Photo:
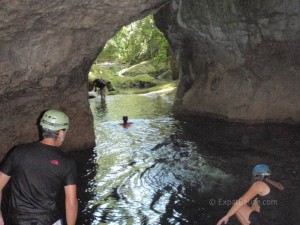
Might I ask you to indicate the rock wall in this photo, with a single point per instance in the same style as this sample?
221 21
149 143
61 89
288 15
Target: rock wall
46 51
240 59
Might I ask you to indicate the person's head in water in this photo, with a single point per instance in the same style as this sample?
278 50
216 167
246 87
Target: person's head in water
261 172
125 119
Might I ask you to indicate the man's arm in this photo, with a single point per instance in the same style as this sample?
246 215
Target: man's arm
3 181
71 204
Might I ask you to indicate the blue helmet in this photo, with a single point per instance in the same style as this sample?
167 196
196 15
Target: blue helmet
261 171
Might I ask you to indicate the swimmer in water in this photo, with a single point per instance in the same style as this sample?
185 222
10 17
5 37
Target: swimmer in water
125 123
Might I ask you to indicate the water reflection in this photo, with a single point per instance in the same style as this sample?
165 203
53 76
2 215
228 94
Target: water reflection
146 171
162 170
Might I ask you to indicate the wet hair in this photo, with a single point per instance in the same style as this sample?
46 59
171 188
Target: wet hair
46 133
125 119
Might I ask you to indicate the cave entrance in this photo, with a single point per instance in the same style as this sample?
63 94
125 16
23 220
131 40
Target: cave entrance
138 59
138 64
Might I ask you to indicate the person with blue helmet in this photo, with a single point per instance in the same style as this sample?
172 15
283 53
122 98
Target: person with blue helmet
261 195
261 171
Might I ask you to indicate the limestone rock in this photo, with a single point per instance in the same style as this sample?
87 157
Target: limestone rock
239 60
46 51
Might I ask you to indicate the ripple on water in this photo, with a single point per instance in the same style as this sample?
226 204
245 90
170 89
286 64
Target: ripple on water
143 177
140 173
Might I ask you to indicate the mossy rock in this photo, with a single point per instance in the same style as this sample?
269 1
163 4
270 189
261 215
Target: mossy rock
167 75
140 81
146 67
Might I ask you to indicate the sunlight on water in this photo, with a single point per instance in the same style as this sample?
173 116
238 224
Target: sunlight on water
142 172
162 170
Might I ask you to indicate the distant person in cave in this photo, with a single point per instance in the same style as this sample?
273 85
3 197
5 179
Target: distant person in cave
39 172
102 85
262 194
125 123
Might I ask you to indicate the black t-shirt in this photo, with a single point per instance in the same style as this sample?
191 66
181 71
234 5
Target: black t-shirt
38 174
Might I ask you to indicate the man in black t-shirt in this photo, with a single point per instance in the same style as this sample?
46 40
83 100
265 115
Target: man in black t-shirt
39 172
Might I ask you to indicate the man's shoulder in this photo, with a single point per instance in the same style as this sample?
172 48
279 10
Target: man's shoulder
18 149
25 145
17 154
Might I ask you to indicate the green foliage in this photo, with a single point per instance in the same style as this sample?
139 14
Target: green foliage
100 72
137 42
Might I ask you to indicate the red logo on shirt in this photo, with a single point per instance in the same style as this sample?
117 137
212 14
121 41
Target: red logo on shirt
54 162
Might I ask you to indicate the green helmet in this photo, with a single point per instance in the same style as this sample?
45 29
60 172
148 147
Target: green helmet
54 120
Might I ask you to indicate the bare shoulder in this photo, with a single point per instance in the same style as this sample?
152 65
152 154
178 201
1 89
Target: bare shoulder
261 187
259 183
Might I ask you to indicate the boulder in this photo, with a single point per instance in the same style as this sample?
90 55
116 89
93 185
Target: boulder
46 51
239 60
146 67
